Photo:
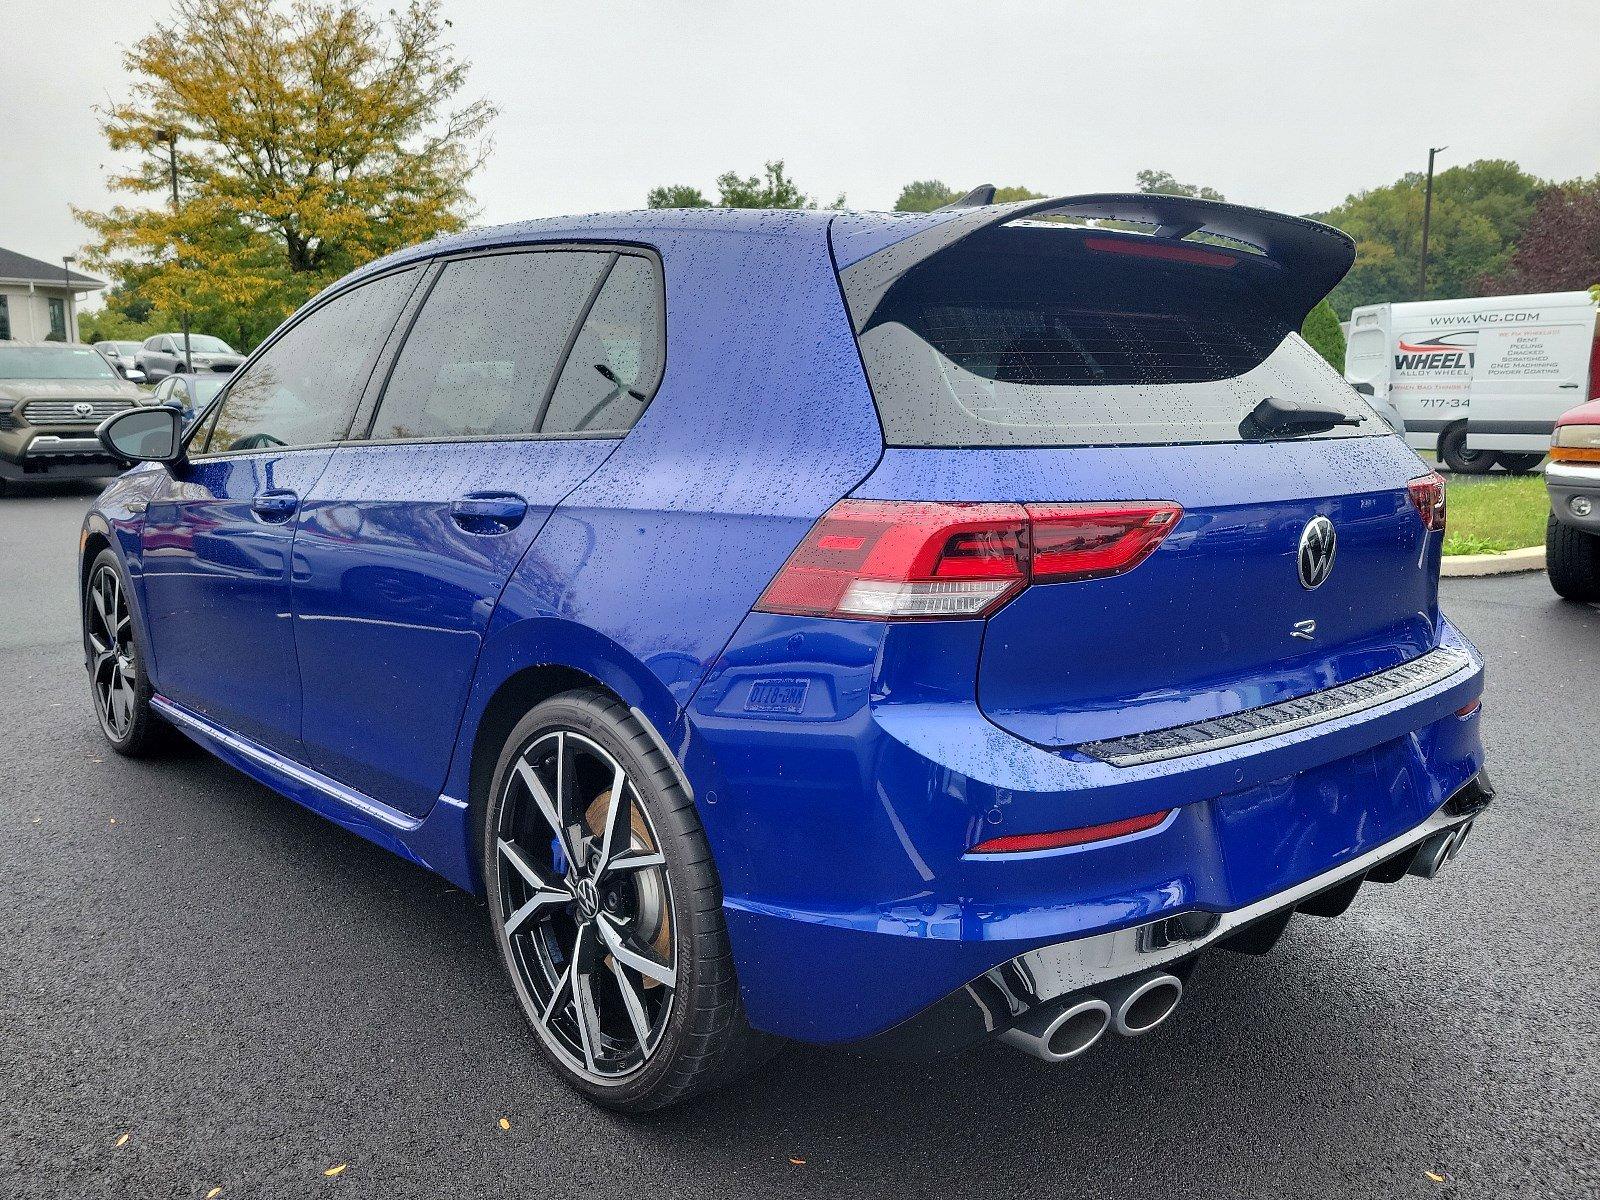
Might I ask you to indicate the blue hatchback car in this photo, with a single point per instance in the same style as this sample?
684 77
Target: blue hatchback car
886 630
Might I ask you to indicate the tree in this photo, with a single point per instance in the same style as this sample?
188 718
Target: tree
1321 329
1559 251
771 189
1010 195
1164 183
311 137
1479 213
677 195
925 195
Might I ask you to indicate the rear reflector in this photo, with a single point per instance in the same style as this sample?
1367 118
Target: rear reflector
1071 837
1427 497
898 559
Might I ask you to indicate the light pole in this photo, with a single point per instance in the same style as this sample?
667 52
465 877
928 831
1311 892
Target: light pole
1427 214
170 137
66 277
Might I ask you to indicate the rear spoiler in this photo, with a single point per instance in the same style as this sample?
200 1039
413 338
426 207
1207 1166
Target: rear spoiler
1299 261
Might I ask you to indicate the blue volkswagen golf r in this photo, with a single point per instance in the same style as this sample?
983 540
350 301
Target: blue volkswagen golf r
894 630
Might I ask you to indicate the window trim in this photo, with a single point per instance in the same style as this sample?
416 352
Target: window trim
207 415
436 268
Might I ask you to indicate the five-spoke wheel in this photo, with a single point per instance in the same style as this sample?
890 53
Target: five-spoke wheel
587 903
112 670
606 908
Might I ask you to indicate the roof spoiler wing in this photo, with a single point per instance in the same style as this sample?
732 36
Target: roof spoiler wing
1307 258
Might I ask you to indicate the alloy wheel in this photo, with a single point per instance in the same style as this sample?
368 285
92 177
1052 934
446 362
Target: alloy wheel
585 906
113 671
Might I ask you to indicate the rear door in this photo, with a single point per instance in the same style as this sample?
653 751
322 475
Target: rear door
518 376
218 533
1054 366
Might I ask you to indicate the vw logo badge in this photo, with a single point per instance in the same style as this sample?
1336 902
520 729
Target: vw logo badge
588 899
1318 544
82 409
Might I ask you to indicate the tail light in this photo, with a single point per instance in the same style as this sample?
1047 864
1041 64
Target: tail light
1427 497
887 559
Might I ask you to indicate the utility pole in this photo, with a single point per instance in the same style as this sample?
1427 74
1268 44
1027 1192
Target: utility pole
66 277
170 136
1427 214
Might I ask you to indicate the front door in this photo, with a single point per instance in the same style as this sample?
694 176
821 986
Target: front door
407 541
218 537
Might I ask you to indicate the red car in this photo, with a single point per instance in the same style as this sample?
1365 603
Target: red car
1572 537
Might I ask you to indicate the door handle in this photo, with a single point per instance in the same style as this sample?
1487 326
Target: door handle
489 512
277 505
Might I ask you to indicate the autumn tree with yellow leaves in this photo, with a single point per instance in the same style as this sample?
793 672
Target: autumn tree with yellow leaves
311 137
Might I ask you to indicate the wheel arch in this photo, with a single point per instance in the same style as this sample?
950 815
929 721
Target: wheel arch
529 662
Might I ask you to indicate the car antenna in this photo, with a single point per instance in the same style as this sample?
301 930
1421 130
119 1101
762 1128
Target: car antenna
978 197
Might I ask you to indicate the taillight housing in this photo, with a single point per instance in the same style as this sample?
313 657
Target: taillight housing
915 560
1427 497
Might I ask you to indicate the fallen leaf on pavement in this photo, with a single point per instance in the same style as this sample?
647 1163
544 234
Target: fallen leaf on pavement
338 1170
799 1162
504 1124
1435 1178
213 1193
123 1140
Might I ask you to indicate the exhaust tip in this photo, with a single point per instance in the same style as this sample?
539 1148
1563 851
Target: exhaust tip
1148 1005
1066 1035
1432 854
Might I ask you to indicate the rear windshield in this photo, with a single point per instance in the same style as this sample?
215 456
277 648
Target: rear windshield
1075 347
53 362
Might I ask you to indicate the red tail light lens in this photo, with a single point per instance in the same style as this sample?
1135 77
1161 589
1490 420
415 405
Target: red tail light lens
1058 838
1427 497
895 559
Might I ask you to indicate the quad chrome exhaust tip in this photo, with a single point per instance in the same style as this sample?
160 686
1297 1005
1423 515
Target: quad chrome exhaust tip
1139 1004
1131 1007
1058 1035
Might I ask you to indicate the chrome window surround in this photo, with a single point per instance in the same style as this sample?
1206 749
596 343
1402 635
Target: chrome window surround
1270 720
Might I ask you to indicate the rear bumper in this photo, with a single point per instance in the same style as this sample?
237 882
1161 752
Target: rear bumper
842 828
1566 481
1057 976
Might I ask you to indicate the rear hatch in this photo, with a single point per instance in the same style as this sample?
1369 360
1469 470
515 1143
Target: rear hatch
1123 351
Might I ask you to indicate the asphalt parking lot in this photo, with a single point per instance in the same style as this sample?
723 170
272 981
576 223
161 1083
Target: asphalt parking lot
254 997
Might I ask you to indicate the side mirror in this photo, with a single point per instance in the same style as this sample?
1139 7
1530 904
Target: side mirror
133 374
144 435
1366 389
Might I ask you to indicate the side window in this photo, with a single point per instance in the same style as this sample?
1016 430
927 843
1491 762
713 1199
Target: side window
616 361
163 391
152 343
479 359
303 388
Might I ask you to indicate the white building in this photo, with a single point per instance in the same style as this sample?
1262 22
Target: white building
39 300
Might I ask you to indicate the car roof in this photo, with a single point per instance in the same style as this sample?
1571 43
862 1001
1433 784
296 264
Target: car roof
654 225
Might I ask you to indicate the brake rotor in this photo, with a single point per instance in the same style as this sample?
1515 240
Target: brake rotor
651 918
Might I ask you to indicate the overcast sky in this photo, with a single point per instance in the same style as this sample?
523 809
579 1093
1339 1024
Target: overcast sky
1282 105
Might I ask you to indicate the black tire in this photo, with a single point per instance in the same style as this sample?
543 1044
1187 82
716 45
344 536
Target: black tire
1453 450
1572 560
119 685
659 1048
1520 464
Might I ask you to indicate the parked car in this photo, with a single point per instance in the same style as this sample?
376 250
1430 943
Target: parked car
52 395
164 355
189 393
1572 532
123 357
840 675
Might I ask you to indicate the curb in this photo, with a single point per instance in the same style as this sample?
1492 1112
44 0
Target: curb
1509 563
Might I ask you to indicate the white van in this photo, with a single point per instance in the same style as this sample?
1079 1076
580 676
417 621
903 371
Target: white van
1479 380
